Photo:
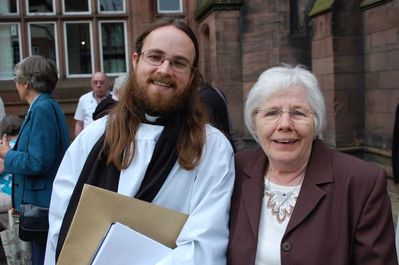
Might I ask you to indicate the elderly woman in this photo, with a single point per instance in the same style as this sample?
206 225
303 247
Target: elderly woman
295 200
41 143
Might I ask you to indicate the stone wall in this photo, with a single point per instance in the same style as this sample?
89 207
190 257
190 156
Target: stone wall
381 72
267 40
220 50
337 62
355 54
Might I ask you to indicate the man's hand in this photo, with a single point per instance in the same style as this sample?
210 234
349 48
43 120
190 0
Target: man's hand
4 148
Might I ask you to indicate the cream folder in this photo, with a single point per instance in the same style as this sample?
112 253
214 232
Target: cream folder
99 208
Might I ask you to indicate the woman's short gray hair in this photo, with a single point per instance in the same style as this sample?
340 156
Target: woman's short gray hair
285 77
39 72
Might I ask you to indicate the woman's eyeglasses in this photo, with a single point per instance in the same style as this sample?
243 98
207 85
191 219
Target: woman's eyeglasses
298 116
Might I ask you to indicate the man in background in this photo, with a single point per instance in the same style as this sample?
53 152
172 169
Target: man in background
106 105
89 101
218 114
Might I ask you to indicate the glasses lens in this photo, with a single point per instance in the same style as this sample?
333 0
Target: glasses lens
180 66
153 58
299 116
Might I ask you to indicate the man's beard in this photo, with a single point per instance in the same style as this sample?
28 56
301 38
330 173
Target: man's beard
158 104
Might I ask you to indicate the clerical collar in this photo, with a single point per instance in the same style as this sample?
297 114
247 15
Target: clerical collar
155 120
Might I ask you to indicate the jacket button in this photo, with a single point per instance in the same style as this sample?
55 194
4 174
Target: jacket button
286 246
16 185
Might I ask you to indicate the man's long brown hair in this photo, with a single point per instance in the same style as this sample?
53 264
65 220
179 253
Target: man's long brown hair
125 118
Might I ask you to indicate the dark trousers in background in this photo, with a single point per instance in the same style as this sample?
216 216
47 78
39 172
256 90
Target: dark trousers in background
38 250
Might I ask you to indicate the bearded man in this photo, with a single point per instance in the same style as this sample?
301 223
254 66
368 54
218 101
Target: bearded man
155 146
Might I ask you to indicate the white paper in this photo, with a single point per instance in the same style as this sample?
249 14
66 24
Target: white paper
124 246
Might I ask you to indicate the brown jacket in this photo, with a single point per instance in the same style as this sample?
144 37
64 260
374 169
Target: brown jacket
342 215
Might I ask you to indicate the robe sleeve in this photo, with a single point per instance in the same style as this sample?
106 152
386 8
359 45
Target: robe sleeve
65 180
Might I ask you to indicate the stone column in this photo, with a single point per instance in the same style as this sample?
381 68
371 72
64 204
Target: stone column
338 64
221 59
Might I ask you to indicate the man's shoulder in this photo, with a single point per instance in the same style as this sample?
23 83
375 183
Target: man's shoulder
43 103
213 132
87 95
216 139
94 130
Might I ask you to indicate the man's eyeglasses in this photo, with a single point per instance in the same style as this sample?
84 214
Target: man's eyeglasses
298 116
179 65
100 82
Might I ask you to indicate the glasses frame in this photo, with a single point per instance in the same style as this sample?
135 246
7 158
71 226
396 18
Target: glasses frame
101 82
171 62
305 120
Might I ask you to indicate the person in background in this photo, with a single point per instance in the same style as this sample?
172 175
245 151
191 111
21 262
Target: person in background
16 250
9 129
41 143
106 105
2 110
89 101
216 106
155 146
296 201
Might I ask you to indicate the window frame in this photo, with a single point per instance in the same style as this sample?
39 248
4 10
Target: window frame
67 72
18 24
111 12
159 11
55 38
100 42
12 14
75 12
40 13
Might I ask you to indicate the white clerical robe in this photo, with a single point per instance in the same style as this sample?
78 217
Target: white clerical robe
203 193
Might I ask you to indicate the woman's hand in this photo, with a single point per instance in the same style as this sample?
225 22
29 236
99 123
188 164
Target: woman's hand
1 166
4 148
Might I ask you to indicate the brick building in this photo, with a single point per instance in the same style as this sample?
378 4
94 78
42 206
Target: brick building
351 45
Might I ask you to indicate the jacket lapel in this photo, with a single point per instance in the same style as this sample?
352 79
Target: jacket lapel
252 188
318 172
27 117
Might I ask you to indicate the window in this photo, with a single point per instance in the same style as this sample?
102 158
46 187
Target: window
78 48
80 36
10 49
42 40
76 6
113 47
114 6
170 6
40 7
8 7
